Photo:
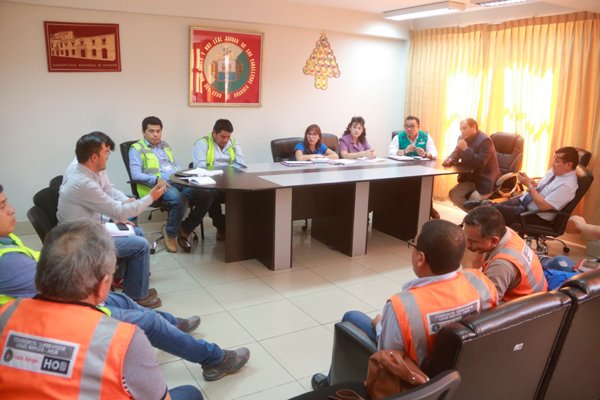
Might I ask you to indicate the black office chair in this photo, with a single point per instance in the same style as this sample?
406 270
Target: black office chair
331 141
584 156
157 205
533 229
509 152
283 149
441 387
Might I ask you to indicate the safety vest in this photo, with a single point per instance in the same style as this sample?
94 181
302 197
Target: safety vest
61 351
404 141
521 256
210 153
150 162
16 247
422 311
19 247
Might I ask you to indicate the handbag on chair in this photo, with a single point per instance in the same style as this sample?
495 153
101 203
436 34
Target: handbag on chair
392 372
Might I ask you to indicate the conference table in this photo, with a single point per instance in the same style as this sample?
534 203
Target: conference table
263 199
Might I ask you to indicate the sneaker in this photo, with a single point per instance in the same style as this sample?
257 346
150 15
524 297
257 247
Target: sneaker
319 381
188 325
232 362
170 241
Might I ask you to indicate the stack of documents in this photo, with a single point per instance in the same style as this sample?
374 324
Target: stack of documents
322 160
407 158
200 176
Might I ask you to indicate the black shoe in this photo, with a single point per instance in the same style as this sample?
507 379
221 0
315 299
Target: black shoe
233 361
319 381
471 204
188 325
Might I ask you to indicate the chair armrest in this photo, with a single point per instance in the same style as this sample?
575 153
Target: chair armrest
524 215
351 351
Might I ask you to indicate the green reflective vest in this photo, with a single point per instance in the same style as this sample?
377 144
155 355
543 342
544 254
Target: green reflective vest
150 163
404 141
210 153
19 247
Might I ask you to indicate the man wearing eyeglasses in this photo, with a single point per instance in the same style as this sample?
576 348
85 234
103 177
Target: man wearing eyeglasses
476 150
414 142
438 296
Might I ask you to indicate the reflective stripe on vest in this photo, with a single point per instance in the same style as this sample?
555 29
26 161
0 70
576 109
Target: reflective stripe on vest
521 256
93 351
420 141
422 311
150 162
17 247
210 152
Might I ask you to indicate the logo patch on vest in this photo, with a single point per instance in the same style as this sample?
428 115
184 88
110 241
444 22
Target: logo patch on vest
436 320
39 354
527 254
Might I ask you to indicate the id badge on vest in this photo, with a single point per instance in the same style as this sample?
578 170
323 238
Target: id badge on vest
39 354
436 320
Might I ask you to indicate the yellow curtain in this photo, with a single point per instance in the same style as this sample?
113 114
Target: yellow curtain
538 77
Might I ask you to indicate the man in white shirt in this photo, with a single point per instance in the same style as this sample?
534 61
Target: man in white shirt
553 192
218 149
412 141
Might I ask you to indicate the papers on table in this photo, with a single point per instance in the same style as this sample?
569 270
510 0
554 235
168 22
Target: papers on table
322 160
407 158
200 180
296 163
376 159
202 172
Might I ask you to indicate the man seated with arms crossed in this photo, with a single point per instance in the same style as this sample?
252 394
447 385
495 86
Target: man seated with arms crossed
476 150
218 149
82 195
165 332
151 163
439 295
77 351
502 255
553 192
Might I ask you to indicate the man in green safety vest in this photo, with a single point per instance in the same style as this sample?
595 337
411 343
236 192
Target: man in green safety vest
217 150
151 163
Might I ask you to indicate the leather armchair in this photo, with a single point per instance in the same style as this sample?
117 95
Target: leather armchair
351 351
283 149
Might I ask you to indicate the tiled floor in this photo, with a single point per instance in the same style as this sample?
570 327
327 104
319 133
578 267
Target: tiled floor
286 318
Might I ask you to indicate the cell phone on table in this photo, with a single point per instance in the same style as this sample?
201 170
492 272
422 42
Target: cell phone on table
121 226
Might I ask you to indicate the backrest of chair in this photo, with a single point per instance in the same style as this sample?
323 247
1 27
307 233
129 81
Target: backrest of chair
509 151
331 141
47 200
441 387
40 222
584 156
56 181
394 133
584 181
283 149
504 352
576 365
124 147
351 351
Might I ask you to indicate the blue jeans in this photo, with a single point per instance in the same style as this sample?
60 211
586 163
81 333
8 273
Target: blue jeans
179 197
135 252
162 332
186 392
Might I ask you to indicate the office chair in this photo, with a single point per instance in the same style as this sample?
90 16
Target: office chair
283 149
584 156
45 204
441 387
509 152
533 229
158 205
331 141
40 222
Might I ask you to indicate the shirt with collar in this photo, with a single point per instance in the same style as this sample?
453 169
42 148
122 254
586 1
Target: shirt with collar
167 168
558 192
221 155
347 144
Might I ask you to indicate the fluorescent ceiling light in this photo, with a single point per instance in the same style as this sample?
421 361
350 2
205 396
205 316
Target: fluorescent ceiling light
426 10
494 3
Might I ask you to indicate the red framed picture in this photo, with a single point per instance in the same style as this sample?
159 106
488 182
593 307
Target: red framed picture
82 47
225 67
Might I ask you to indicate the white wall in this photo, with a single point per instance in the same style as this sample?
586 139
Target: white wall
44 113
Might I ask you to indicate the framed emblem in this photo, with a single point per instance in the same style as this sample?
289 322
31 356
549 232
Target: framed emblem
225 67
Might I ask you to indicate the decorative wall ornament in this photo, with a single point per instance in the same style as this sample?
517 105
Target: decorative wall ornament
322 63
82 47
225 67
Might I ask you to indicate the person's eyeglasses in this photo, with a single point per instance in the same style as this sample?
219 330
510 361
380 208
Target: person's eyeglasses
411 243
312 134
410 126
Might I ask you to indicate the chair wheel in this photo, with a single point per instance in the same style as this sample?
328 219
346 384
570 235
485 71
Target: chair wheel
566 250
152 251
304 228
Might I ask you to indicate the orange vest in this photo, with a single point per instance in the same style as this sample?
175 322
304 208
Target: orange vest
422 311
61 351
521 256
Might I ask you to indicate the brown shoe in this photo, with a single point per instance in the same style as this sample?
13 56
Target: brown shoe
220 236
152 302
434 214
182 240
170 241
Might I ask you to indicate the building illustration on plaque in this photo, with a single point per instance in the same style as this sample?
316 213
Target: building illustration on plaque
98 47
